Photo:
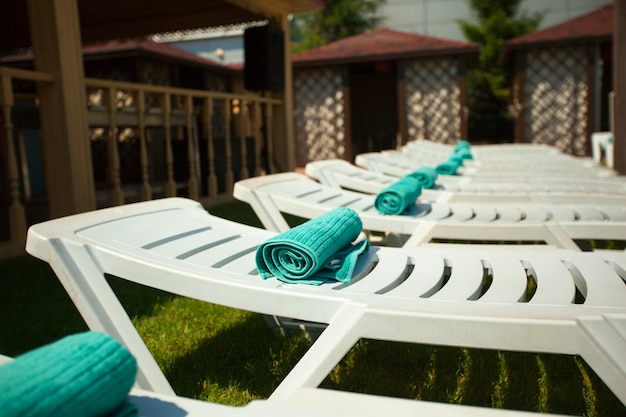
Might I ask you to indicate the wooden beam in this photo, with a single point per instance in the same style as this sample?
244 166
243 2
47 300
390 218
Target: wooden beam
619 84
283 122
55 33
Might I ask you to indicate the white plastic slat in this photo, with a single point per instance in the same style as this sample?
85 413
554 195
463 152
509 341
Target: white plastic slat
388 272
464 282
555 284
484 213
460 212
587 212
427 275
603 285
509 280
534 213
509 213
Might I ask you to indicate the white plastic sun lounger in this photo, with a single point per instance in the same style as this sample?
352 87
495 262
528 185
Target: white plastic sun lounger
493 151
271 196
339 173
419 295
540 163
399 167
507 169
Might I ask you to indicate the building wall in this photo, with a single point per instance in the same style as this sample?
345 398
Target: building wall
557 95
433 99
320 114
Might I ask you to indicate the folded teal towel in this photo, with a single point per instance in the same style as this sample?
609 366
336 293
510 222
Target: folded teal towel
456 159
317 251
463 144
426 176
448 167
464 154
397 197
87 374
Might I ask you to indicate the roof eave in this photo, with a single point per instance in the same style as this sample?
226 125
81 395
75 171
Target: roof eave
383 57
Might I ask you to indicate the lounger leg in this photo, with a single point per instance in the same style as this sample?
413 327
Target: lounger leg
607 353
340 335
102 311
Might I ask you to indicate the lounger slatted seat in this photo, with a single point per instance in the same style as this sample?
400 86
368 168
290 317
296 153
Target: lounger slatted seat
339 173
488 151
272 196
378 162
506 170
396 294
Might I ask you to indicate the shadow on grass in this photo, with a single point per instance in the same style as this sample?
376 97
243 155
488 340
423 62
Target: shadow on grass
247 357
34 307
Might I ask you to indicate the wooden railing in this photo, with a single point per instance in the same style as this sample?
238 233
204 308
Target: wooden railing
150 141
16 211
201 119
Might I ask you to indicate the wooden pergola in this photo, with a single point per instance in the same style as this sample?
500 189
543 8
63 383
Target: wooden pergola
56 31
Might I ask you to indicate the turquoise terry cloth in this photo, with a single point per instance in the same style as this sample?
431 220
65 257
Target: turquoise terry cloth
462 144
426 176
87 374
448 167
397 197
464 154
315 252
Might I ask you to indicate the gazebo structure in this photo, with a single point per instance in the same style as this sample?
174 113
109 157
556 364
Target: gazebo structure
377 90
563 77
56 30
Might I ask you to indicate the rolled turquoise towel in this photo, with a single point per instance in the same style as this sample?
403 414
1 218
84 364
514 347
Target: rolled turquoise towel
464 154
447 168
426 176
397 197
456 159
317 251
462 144
87 374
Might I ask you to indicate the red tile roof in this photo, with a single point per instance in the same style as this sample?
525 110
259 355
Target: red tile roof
133 47
594 26
379 44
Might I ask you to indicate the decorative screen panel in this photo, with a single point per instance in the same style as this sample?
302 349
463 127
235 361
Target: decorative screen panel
433 99
557 97
320 116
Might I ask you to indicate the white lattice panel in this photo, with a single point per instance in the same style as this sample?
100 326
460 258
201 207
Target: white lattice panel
320 128
556 94
433 99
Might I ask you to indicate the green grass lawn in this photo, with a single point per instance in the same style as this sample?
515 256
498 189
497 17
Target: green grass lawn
231 356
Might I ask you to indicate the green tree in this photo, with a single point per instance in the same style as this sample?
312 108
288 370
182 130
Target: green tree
339 19
489 80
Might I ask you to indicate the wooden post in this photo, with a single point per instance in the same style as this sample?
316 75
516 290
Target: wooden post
55 34
619 84
17 213
284 143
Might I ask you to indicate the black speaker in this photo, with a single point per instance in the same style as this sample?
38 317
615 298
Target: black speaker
264 57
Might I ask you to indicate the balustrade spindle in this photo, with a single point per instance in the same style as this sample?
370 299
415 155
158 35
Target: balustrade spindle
208 132
194 193
170 186
146 190
256 131
269 132
229 175
17 213
243 113
117 194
